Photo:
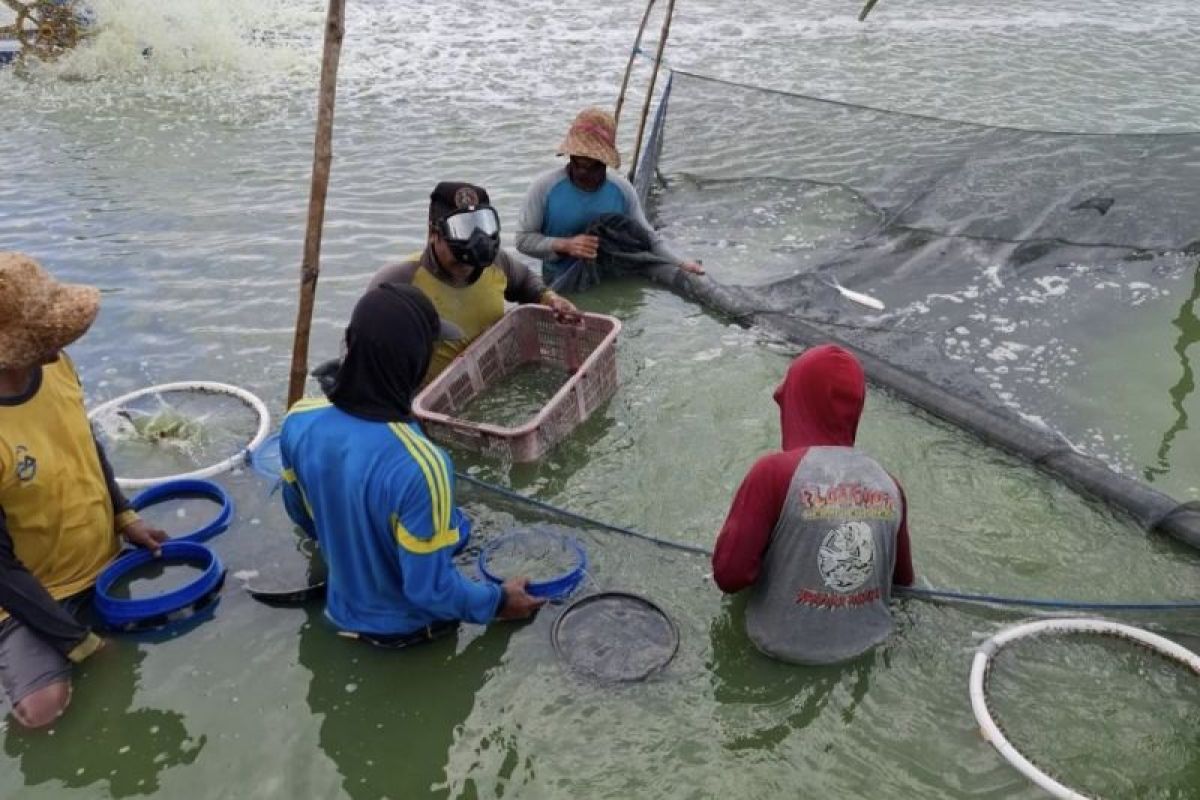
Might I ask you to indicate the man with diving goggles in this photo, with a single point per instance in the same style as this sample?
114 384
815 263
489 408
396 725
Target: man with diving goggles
464 271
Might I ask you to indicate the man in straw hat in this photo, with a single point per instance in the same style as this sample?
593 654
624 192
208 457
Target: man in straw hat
61 513
563 202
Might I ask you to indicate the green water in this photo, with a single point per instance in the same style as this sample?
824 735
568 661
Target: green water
517 397
179 184
153 579
263 702
181 516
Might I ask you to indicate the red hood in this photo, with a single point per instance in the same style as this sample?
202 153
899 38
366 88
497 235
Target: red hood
821 398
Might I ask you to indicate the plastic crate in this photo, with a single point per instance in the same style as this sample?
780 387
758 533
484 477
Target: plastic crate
587 354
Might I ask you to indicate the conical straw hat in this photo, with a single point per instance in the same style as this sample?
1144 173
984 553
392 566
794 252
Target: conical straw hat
593 134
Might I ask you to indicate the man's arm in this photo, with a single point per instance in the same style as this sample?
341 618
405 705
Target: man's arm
23 596
737 558
530 239
123 514
425 542
524 285
903 574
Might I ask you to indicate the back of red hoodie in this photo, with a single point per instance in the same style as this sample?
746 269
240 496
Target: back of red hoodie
818 529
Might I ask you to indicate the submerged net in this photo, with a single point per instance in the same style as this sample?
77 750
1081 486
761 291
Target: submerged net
174 431
1020 269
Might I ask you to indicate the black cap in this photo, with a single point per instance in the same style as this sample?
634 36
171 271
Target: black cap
451 196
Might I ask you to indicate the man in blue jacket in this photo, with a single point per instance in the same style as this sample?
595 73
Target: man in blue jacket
360 476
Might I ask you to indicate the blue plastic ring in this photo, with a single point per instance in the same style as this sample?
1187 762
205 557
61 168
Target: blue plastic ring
121 613
190 487
551 589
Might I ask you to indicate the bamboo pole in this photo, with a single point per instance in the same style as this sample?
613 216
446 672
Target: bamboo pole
637 43
310 267
662 43
862 15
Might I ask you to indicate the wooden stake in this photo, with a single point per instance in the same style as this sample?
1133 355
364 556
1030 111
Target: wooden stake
637 43
310 267
662 43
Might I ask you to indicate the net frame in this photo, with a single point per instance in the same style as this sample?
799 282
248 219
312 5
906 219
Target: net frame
210 387
560 648
981 671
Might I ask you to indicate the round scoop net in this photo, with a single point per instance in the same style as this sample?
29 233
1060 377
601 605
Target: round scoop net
615 636
1128 690
548 555
192 430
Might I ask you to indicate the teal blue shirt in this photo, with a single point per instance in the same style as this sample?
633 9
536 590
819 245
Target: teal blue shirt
555 208
378 498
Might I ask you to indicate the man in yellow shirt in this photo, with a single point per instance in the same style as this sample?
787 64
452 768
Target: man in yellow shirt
464 271
61 513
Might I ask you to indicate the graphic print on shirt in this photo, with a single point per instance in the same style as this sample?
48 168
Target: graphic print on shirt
846 558
846 501
26 464
846 555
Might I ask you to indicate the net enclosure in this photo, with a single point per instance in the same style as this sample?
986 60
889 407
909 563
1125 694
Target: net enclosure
1019 269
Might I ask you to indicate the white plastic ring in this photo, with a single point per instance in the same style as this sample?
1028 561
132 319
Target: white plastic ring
982 663
257 405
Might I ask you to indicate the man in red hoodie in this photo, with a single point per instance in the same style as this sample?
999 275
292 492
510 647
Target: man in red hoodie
818 529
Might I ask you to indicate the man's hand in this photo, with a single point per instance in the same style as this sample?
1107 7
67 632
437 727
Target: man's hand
581 246
563 308
694 267
142 535
517 603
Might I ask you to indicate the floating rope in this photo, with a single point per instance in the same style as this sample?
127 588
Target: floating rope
934 595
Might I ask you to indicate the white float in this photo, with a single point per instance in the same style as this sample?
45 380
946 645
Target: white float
211 387
982 664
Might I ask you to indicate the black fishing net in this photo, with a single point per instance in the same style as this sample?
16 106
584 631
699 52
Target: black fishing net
615 636
1019 269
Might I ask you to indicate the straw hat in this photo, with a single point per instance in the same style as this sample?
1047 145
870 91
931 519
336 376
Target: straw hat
593 134
39 315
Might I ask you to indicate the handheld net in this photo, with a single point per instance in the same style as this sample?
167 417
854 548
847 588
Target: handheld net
981 671
548 555
179 431
615 636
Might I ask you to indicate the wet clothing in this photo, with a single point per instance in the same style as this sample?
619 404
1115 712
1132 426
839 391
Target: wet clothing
374 492
60 510
29 662
555 208
473 307
625 248
818 530
378 497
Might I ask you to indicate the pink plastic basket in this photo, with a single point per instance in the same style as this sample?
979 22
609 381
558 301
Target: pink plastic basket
587 354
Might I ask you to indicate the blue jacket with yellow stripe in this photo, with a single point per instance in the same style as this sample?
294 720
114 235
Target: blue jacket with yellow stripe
378 497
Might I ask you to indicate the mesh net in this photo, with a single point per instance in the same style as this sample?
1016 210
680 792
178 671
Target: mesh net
615 636
174 431
1018 268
